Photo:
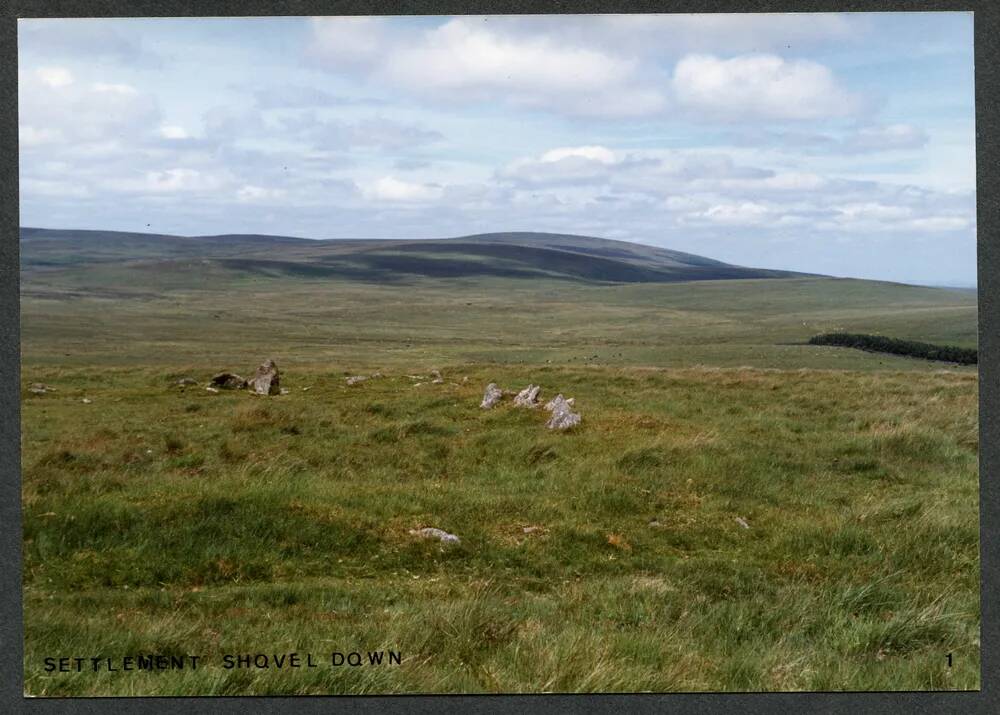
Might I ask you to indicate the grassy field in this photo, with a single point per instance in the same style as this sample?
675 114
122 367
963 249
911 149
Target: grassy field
160 519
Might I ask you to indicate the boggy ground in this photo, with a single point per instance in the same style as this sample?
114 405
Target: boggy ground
162 520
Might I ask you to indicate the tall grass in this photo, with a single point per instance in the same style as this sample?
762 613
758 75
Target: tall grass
169 520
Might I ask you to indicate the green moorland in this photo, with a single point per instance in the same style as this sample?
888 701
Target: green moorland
168 520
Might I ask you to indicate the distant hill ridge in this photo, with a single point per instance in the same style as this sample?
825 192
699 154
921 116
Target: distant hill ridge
512 255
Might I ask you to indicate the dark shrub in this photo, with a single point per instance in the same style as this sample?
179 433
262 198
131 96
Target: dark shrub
910 348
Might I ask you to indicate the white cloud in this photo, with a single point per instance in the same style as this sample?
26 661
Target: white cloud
54 76
461 56
171 131
760 86
860 139
885 138
658 34
52 107
592 153
29 136
794 181
252 194
874 212
389 188
111 88
761 182
170 181
936 224
463 59
53 188
745 213
567 165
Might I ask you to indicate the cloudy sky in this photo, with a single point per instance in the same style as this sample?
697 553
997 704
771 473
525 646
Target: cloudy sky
834 143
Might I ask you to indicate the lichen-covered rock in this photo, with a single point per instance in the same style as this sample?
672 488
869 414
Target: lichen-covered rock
430 532
528 397
265 380
562 416
563 419
228 381
491 396
557 401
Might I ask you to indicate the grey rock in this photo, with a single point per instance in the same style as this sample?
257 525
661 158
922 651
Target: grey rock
562 416
491 396
284 391
265 380
430 532
39 388
528 397
212 389
355 379
86 400
557 401
185 381
563 419
742 522
436 374
228 381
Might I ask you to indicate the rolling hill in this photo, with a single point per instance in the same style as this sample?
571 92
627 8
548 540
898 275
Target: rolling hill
508 255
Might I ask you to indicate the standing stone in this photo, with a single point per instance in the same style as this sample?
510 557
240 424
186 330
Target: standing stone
528 397
265 380
562 416
557 401
438 379
492 396
228 381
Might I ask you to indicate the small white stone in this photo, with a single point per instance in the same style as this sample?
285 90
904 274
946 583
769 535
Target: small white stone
430 532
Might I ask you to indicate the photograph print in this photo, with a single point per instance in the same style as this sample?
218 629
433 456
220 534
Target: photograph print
499 354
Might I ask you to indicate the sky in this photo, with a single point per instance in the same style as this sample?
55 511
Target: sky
840 143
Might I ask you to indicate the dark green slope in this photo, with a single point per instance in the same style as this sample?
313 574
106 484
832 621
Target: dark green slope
508 255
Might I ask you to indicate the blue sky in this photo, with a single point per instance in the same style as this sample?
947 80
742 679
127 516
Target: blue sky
833 143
